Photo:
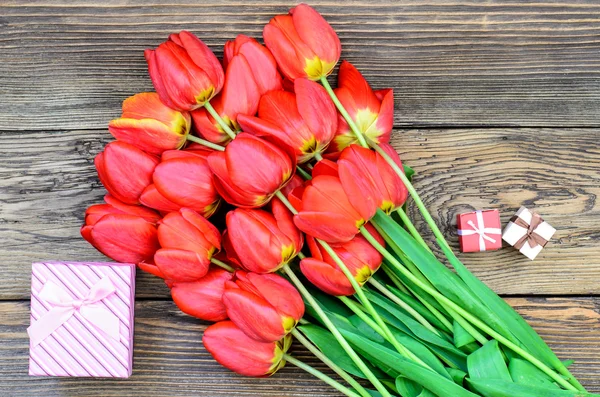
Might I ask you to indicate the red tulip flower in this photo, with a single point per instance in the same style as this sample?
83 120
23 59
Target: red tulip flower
251 71
125 171
303 43
251 170
203 298
326 212
305 120
152 198
265 306
187 242
279 240
149 125
185 179
241 354
358 255
125 233
369 180
371 111
184 71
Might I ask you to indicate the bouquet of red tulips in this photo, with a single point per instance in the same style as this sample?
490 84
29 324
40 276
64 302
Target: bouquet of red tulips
308 198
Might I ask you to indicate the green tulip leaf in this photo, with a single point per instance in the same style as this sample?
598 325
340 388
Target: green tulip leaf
461 336
457 375
487 363
500 388
525 373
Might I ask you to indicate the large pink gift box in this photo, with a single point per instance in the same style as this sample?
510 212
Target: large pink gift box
81 319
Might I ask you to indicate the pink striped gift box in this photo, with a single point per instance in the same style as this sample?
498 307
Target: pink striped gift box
81 319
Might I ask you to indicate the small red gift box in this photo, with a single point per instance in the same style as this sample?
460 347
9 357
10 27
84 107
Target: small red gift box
479 231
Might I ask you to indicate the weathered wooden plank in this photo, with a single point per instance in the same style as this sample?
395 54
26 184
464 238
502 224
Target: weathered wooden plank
47 179
488 63
170 360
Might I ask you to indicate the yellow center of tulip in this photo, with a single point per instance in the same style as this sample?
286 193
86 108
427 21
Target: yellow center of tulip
360 223
233 124
281 347
363 274
316 68
288 324
387 206
211 208
180 127
205 95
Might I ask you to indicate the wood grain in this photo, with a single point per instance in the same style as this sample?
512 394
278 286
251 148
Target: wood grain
493 63
47 179
170 360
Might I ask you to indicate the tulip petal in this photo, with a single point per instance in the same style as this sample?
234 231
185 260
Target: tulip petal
152 198
156 78
285 223
203 298
325 277
226 188
203 57
253 315
180 265
240 93
279 293
353 83
151 268
335 228
234 350
150 135
286 46
174 231
205 126
385 119
263 65
125 238
314 30
208 230
317 109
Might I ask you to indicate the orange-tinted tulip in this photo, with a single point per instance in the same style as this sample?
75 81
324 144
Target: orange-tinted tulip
184 71
149 125
369 180
203 298
326 212
305 120
113 206
185 179
358 255
263 242
251 170
125 171
234 350
371 111
187 242
123 234
265 306
303 43
250 72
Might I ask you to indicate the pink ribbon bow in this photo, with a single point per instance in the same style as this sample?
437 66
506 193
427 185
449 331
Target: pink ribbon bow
481 230
64 307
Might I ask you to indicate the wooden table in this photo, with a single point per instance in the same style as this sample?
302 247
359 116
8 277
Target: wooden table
497 106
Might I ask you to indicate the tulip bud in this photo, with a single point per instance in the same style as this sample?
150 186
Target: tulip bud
251 71
357 254
369 180
371 111
326 212
303 43
265 306
184 71
279 240
185 179
125 171
187 242
125 233
149 125
234 350
305 120
251 170
152 198
203 298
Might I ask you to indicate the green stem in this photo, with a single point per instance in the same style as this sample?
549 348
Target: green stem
318 156
403 350
286 202
468 316
222 265
305 175
417 316
204 142
315 372
411 228
417 273
327 361
344 113
221 122
335 332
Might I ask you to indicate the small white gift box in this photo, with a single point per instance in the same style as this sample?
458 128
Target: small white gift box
528 232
